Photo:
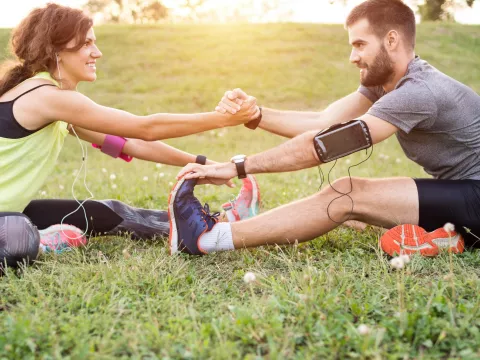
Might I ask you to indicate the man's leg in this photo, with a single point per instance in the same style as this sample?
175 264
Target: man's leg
381 202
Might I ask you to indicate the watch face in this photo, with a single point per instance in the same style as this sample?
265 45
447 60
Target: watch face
237 158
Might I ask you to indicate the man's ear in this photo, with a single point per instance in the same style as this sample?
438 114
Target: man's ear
392 40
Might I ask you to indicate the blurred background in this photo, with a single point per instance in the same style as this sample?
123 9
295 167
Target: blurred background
242 11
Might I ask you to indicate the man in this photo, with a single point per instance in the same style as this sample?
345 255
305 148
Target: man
435 118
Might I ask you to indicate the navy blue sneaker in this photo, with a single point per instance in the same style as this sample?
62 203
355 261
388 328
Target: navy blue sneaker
188 218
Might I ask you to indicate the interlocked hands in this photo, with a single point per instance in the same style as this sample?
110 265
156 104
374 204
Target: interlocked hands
238 105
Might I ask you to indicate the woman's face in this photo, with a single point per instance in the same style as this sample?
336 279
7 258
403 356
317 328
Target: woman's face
79 65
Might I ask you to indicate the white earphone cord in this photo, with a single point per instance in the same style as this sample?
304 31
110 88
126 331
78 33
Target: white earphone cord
80 204
84 163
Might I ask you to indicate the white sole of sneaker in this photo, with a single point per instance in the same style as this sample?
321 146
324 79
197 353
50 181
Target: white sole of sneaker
60 228
173 235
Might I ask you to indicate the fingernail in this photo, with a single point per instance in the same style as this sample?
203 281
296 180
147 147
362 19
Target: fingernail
234 111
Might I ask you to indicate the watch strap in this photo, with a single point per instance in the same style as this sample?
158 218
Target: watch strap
241 169
201 159
253 124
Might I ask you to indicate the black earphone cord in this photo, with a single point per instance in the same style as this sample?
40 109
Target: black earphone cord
322 179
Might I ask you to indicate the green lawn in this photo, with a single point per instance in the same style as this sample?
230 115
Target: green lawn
309 300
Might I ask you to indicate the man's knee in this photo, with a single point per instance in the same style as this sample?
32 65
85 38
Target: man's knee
349 185
347 197
19 240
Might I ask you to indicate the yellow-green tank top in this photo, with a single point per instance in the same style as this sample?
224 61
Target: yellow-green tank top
26 163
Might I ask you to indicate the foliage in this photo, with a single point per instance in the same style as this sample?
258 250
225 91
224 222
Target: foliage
128 10
309 300
434 10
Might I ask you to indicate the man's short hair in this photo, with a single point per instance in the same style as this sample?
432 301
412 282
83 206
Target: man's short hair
386 15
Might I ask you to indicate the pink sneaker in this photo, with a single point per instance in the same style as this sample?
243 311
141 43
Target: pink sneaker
60 238
247 203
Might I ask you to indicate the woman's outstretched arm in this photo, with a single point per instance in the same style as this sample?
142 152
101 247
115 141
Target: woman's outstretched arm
77 109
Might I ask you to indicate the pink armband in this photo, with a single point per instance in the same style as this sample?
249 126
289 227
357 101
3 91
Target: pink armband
113 146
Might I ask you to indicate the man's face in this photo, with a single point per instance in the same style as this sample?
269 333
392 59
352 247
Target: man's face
370 55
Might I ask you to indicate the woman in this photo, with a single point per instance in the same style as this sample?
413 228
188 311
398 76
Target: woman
39 105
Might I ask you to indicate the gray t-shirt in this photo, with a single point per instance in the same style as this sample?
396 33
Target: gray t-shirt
438 120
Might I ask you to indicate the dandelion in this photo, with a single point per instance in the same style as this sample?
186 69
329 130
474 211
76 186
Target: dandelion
61 187
398 161
170 183
303 297
145 178
126 254
161 174
231 307
212 132
114 186
397 263
43 193
158 166
249 277
113 177
449 227
363 329
348 161
405 258
104 170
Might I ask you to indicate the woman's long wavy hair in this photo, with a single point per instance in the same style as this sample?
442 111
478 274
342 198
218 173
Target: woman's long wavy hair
37 39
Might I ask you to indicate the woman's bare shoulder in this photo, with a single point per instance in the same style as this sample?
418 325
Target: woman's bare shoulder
23 88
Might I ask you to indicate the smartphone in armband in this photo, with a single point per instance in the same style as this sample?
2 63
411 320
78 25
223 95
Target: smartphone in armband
341 140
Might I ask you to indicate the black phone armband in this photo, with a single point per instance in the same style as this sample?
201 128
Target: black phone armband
341 140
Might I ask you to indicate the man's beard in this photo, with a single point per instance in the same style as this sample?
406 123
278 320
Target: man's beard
380 72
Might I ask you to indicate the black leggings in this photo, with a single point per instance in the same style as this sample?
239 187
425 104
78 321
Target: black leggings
105 217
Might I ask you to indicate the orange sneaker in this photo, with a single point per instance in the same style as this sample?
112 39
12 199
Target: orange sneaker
410 239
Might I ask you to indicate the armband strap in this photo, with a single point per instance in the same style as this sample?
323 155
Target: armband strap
113 146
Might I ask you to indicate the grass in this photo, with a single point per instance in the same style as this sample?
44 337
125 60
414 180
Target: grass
128 299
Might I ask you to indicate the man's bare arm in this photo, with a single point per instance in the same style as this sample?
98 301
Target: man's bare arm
295 154
293 123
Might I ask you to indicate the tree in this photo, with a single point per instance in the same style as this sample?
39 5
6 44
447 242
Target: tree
154 11
129 11
435 10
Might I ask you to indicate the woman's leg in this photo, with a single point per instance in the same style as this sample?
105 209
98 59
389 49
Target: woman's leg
19 239
106 217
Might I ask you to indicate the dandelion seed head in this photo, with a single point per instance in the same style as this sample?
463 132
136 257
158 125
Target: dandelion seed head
363 329
249 277
397 263
449 227
405 258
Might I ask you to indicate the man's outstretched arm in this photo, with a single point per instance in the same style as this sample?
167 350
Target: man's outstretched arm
295 154
293 123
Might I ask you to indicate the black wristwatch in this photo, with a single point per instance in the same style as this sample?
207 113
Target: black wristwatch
239 161
201 159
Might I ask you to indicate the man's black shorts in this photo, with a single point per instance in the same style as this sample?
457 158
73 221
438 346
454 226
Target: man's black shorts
453 201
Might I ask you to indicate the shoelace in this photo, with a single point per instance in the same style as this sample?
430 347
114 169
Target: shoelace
213 217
